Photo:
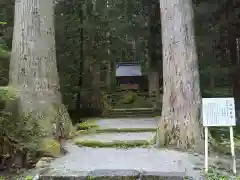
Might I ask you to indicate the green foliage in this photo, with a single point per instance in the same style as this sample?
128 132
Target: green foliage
50 147
107 101
217 92
94 130
29 178
3 47
3 53
7 93
3 23
128 40
118 19
118 144
25 131
90 127
87 125
129 98
119 130
91 178
221 142
215 174
4 56
127 23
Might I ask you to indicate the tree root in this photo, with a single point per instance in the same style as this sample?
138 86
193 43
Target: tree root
167 139
170 134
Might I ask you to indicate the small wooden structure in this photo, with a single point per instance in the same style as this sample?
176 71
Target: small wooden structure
129 76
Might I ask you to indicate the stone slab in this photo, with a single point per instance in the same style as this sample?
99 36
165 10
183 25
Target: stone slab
64 175
145 175
110 137
111 174
141 159
114 174
127 123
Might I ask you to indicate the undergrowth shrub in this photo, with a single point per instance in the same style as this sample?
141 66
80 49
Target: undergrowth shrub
216 174
107 101
129 98
18 135
31 134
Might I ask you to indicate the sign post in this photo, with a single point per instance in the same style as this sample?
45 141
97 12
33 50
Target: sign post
219 112
206 148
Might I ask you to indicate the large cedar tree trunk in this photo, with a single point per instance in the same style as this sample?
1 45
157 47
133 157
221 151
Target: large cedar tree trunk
181 111
33 66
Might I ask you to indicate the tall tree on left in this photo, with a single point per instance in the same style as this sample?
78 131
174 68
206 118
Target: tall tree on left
33 67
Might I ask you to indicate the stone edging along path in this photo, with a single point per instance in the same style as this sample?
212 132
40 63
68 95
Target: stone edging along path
117 175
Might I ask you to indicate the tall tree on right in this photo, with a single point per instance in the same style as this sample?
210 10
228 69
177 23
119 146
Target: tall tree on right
180 124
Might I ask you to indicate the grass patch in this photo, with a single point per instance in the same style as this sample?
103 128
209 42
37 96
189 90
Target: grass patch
50 147
216 174
130 99
113 144
87 125
118 130
91 126
114 130
222 140
224 146
4 53
86 132
8 93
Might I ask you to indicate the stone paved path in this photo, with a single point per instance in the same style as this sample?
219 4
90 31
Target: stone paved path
85 159
82 161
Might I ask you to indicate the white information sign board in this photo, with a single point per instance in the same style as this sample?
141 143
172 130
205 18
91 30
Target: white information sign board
219 112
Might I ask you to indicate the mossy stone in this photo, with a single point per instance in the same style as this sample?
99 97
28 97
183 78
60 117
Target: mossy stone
50 147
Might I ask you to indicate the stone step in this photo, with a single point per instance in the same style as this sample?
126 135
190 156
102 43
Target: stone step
106 174
133 109
121 140
137 112
127 123
128 115
110 137
129 164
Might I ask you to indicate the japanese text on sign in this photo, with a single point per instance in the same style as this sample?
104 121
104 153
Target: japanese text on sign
218 112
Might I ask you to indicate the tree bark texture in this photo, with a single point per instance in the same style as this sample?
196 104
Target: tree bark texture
109 63
154 89
33 66
181 110
152 83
